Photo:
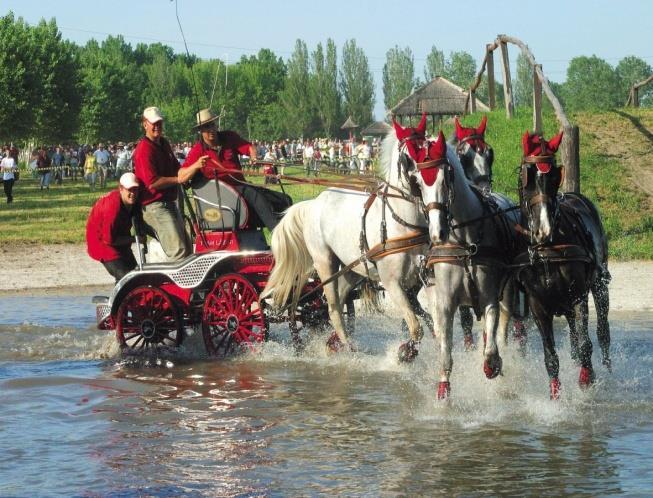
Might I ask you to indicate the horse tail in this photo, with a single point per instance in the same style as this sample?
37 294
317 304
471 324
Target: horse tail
292 261
370 297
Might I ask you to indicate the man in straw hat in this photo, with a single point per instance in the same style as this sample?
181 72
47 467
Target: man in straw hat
216 154
108 229
157 168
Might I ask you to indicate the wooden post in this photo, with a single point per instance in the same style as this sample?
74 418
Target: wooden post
635 97
537 101
570 157
489 57
472 101
507 84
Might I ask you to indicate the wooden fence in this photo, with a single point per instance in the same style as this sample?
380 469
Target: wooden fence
633 96
570 151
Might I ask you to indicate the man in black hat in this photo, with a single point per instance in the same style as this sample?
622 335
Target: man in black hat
217 153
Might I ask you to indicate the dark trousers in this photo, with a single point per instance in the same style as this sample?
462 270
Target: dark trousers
269 205
118 268
9 186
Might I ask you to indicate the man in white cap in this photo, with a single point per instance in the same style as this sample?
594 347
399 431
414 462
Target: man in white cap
217 153
157 167
108 229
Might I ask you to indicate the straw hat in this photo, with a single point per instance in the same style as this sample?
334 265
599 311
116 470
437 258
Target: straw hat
204 117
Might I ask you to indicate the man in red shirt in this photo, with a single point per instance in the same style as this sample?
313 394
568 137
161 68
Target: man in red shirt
217 151
108 229
157 168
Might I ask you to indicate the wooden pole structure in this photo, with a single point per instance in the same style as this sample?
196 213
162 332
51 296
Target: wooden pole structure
537 102
472 101
633 97
507 83
489 58
569 155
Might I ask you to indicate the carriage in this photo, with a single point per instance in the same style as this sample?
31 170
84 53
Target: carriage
215 291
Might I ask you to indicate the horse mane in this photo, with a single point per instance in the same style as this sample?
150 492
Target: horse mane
388 147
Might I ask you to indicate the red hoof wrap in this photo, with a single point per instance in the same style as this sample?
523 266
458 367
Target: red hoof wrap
555 389
586 377
520 333
469 342
334 343
444 390
491 371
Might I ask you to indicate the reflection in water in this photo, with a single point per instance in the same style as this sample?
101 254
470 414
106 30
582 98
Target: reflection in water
77 423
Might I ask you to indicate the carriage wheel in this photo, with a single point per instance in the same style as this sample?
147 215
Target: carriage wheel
148 318
232 319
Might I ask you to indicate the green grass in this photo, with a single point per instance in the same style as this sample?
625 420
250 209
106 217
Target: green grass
59 214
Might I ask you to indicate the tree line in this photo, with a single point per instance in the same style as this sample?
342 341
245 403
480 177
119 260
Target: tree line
55 91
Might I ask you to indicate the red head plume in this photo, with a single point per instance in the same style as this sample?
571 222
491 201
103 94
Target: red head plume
536 145
404 133
462 131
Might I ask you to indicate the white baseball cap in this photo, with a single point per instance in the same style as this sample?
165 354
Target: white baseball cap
153 114
129 180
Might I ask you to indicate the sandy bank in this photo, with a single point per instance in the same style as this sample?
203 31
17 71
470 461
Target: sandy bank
31 267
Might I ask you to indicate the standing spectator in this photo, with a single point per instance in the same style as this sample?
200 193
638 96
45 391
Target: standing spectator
309 152
74 164
57 165
124 159
363 153
8 167
102 158
108 229
156 167
90 169
43 167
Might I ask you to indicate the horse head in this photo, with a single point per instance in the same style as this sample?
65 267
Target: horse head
540 180
425 159
475 155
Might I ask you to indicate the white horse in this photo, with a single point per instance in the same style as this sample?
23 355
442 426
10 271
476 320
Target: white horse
325 234
470 239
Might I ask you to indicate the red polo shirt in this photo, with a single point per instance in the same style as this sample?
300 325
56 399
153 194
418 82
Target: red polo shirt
152 160
109 219
231 146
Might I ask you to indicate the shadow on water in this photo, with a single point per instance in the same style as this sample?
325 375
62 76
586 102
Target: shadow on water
280 424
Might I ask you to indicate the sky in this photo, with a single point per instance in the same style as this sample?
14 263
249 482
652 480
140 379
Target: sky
556 31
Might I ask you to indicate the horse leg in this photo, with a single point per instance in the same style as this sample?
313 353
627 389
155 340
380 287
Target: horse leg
417 309
544 322
602 306
492 363
519 314
573 337
408 350
467 322
442 314
325 267
586 376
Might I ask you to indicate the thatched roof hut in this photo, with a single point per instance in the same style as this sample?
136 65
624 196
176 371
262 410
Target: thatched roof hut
438 97
378 128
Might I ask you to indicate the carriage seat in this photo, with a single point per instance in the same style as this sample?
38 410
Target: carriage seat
221 208
225 218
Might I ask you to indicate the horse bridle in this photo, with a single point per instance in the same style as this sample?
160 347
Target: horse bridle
542 197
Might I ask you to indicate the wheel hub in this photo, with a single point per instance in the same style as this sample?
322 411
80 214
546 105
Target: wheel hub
232 324
148 329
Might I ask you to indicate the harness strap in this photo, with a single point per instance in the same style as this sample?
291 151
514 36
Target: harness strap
435 205
561 253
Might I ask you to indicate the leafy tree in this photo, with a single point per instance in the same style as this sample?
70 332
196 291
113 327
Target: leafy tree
591 84
461 69
631 70
324 87
435 64
111 92
398 75
296 94
38 90
524 82
356 84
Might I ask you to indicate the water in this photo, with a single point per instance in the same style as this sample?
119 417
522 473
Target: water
79 421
